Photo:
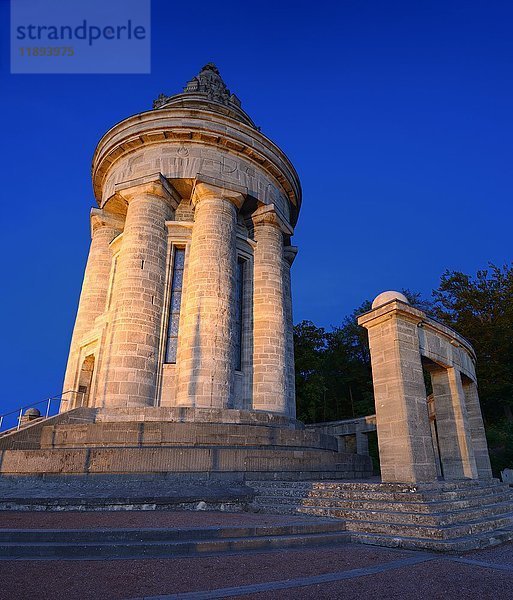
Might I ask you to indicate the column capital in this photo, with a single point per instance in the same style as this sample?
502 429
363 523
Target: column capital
155 185
290 253
392 309
270 214
100 218
205 188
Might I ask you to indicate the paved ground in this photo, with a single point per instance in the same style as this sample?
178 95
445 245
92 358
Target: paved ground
90 520
348 571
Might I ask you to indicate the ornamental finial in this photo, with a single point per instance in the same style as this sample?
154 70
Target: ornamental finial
208 82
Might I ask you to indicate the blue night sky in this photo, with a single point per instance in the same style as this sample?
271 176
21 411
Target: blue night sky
397 115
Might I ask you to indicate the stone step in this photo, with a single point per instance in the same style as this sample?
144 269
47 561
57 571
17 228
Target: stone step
482 525
363 494
379 496
304 477
399 507
276 509
154 534
376 486
405 524
126 503
461 544
432 520
436 519
440 516
431 496
119 548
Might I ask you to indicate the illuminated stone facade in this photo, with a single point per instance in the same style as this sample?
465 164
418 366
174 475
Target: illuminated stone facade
195 182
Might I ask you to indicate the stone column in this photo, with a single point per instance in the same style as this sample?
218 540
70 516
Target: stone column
454 439
402 420
290 253
269 314
104 228
477 430
205 357
131 355
362 443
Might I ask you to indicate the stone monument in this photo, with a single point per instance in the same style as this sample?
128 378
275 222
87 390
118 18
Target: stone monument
186 299
179 387
181 358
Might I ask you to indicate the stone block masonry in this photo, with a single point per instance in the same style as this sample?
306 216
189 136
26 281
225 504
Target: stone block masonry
193 174
405 342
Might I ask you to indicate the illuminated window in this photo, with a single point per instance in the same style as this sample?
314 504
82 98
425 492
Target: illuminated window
174 305
239 312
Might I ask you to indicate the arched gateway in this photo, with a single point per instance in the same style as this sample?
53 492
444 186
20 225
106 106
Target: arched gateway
403 342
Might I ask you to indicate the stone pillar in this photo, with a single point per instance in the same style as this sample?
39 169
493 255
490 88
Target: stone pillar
104 228
454 439
290 373
205 357
402 420
362 443
269 314
477 430
131 355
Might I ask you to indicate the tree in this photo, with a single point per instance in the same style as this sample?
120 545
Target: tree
309 345
333 369
481 309
333 376
348 361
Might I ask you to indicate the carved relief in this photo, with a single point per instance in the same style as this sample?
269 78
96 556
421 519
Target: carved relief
191 160
182 151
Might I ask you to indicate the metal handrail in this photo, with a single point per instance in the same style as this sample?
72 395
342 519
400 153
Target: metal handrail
47 401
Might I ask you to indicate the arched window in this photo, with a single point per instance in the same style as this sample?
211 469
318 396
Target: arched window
175 304
239 312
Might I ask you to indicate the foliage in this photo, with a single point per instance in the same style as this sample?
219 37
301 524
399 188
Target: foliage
500 443
333 377
333 368
481 309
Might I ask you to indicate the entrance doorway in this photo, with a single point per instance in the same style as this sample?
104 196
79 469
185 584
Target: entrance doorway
85 380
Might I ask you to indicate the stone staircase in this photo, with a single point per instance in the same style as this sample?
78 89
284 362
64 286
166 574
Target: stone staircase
167 542
28 435
443 516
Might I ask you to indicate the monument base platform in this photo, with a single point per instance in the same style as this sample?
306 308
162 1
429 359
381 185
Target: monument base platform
212 443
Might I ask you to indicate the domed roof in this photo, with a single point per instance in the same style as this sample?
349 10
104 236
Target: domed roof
32 412
386 297
209 88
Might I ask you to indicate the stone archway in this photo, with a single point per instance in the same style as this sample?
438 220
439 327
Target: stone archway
403 342
85 380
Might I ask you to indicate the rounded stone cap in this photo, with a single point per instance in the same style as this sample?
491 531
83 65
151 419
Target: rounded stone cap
32 412
385 297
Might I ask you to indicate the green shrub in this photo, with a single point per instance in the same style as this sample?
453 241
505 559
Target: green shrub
500 443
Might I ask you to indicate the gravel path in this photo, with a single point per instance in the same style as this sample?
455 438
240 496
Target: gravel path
122 579
88 520
347 571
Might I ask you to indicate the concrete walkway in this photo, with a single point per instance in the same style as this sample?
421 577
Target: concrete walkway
345 571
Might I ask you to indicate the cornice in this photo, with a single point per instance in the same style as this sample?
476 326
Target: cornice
194 126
